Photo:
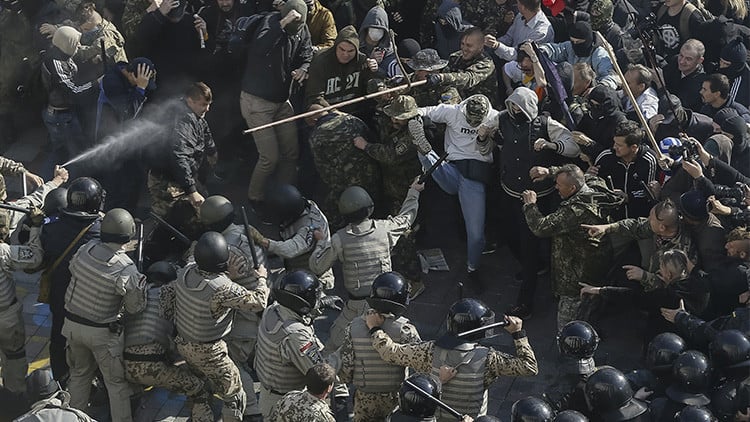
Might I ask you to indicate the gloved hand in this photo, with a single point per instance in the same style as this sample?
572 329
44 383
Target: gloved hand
257 236
36 217
434 79
332 302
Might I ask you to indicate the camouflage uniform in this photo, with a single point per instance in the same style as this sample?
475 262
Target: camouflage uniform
301 406
90 50
340 163
493 18
427 24
476 76
429 61
576 256
164 195
420 358
132 15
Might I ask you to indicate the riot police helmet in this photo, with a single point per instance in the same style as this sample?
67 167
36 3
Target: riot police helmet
85 197
216 213
212 252
161 272
117 226
412 402
355 204
55 200
577 339
468 314
531 409
694 414
608 394
390 294
286 203
299 291
691 377
730 349
663 350
570 416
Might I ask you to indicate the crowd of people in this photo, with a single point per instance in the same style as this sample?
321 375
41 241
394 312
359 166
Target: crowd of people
606 143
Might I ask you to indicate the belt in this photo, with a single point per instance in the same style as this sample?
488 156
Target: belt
144 358
13 302
272 391
53 110
84 321
352 297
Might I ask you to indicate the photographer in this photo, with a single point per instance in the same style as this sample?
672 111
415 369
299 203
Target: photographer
731 204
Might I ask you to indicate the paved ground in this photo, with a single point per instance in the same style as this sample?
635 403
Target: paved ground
440 229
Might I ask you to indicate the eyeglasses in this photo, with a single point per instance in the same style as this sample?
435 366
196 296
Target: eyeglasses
525 70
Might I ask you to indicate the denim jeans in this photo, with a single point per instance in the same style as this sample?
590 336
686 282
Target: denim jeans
66 138
470 196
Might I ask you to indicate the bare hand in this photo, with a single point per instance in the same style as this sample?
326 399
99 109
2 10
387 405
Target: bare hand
717 208
372 64
643 393
528 197
299 75
167 5
491 42
467 418
655 121
61 175
195 199
33 179
692 168
319 235
528 49
665 162
290 17
670 314
200 25
744 297
595 230
447 373
633 273
360 142
742 416
47 30
373 319
515 324
541 144
261 271
581 139
593 170
655 187
538 173
419 187
212 159
143 75
587 289
484 131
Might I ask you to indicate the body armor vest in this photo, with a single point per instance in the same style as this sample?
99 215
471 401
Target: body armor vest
192 311
371 373
465 392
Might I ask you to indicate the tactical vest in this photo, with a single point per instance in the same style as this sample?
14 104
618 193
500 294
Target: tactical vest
364 258
519 156
465 392
245 324
94 271
273 373
192 311
148 326
371 373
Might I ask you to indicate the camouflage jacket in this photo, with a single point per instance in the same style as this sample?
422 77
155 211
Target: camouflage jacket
301 406
114 45
397 155
132 15
476 76
493 18
427 24
639 228
576 256
430 95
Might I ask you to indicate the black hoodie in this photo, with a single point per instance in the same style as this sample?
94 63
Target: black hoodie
600 124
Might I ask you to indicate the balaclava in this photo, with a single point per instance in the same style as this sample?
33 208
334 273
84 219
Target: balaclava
301 8
601 14
582 30
476 108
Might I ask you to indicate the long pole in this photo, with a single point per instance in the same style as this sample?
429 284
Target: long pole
603 42
335 106
438 402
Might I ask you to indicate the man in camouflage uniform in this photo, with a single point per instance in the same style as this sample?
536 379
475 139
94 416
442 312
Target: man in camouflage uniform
493 16
397 156
426 62
94 29
364 249
339 163
308 405
576 256
148 336
217 214
377 382
133 13
470 70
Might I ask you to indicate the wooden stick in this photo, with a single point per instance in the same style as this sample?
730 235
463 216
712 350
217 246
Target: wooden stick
603 42
335 106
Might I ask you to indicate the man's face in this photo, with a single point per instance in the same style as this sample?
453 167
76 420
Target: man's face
723 64
688 61
526 66
579 85
735 249
225 5
622 149
656 225
706 94
345 52
637 88
564 187
199 107
471 47
420 75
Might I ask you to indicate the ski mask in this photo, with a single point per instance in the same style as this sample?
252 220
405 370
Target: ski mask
601 14
476 108
582 30
301 8
375 34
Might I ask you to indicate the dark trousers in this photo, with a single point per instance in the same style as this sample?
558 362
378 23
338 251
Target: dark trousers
58 342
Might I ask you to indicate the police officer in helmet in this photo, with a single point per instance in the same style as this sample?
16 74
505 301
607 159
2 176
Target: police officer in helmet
531 409
577 342
610 398
413 406
691 379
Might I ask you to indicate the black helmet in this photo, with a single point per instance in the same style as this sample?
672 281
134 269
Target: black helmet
663 350
216 213
639 378
691 376
487 418
730 349
570 416
286 203
390 294
161 272
531 409
355 204
41 385
724 401
55 200
609 396
212 252
298 291
85 197
412 402
468 314
577 339
117 226
694 414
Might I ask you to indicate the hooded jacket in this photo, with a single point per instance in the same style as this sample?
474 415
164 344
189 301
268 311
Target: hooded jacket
331 82
377 18
600 124
321 25
448 28
518 138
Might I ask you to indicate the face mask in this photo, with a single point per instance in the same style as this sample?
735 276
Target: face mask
520 117
375 34
583 49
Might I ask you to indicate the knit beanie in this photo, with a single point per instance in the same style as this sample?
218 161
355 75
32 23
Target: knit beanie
66 38
731 122
734 52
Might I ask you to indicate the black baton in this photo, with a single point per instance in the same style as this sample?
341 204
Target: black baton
249 238
177 234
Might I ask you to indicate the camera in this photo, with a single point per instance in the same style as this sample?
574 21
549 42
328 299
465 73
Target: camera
731 196
688 150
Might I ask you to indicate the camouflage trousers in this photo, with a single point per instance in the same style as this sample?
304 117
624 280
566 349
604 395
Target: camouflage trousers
242 353
164 194
373 407
12 352
568 308
211 360
352 309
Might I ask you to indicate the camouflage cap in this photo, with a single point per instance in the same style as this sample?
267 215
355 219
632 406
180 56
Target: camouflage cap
428 60
476 108
601 14
402 107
